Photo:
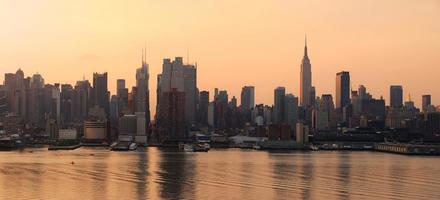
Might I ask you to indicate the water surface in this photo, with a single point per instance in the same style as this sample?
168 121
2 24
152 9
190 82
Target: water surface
152 173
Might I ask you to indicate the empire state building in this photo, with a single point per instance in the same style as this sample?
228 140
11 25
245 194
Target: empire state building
306 79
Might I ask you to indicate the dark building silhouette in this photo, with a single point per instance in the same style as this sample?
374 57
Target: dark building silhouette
278 111
426 102
247 102
100 93
172 116
342 89
82 100
66 104
396 96
203 108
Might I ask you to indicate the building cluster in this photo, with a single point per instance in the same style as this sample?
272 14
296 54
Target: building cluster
29 106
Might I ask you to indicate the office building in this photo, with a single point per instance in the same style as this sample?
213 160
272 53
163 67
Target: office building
342 89
247 101
290 110
305 79
279 98
396 96
101 96
203 107
426 102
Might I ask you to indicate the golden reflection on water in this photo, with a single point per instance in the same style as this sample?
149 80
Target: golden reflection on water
152 173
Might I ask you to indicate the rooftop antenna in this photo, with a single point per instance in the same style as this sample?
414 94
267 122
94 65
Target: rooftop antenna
305 39
142 55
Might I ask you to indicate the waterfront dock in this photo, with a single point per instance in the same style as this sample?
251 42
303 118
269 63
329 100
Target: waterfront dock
408 149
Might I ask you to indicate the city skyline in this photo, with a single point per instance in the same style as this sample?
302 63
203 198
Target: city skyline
389 44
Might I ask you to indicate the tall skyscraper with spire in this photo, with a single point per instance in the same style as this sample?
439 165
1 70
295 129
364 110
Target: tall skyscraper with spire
142 100
306 78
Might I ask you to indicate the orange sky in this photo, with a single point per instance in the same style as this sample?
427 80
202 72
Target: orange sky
235 43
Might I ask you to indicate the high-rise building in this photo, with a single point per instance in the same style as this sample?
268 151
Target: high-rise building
16 86
279 98
396 96
291 110
248 97
3 101
203 107
66 104
191 92
101 95
324 117
142 102
172 116
342 89
114 112
426 102
220 110
247 101
82 99
52 102
36 102
171 102
120 85
306 79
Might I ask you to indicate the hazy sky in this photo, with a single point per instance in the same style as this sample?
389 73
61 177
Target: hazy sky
234 42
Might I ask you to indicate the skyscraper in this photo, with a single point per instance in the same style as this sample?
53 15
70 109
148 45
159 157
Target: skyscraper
171 104
396 96
203 107
3 101
142 101
101 96
342 89
15 84
426 102
36 102
120 84
279 98
306 79
122 97
247 101
291 110
66 104
82 99
191 92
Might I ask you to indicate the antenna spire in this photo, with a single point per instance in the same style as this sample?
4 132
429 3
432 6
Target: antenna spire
305 40
305 47
145 52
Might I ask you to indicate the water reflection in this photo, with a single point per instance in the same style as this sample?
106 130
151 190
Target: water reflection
153 173
344 168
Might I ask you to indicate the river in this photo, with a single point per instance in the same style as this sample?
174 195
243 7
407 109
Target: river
153 173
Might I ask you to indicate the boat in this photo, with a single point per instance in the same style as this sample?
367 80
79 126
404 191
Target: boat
124 146
194 147
314 148
188 148
133 146
10 143
201 147
257 147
